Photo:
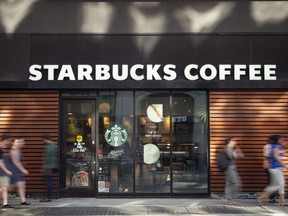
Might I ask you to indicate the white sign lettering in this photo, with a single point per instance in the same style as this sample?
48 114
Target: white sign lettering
149 72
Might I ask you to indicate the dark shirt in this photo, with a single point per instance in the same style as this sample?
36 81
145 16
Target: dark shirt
2 173
230 154
1 154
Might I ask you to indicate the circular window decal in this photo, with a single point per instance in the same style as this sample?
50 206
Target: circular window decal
151 153
116 135
155 112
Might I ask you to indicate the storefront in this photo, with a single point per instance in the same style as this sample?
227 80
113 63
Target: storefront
147 142
142 112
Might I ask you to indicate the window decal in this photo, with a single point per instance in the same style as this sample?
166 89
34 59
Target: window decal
116 135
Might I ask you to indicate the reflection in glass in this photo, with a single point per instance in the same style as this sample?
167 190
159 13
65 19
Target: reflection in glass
12 13
189 138
205 19
153 131
115 152
97 17
171 152
164 152
272 12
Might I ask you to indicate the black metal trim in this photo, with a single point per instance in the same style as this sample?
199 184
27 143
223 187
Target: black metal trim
208 140
70 191
171 144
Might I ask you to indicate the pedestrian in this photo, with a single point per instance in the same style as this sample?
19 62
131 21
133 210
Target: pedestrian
18 170
277 165
266 166
233 182
49 165
4 173
126 168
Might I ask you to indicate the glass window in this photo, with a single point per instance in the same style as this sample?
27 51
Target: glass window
115 152
189 142
153 147
148 142
172 134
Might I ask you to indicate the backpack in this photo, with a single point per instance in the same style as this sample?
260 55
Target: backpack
223 161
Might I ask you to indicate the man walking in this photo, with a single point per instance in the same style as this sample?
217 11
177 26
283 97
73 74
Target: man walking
49 165
233 181
4 173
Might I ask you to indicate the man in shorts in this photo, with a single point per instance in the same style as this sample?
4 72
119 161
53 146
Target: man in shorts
4 173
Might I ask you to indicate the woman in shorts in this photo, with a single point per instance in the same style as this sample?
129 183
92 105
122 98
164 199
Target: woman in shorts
18 169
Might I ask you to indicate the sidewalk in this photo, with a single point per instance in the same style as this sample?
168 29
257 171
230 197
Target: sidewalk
143 206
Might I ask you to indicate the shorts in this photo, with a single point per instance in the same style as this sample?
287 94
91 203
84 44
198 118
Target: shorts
16 177
4 181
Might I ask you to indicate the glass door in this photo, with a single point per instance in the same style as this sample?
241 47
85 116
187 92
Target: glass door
171 142
78 155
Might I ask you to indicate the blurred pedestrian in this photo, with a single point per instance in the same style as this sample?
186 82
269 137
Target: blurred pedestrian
126 168
49 165
233 181
18 170
277 165
267 165
4 173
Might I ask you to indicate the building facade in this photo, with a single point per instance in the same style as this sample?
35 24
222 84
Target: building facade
141 96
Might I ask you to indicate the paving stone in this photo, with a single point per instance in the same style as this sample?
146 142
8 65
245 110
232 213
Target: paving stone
135 210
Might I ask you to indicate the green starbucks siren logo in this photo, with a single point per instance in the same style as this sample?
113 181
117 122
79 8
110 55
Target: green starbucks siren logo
116 135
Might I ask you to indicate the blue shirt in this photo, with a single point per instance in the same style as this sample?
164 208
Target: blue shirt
274 163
